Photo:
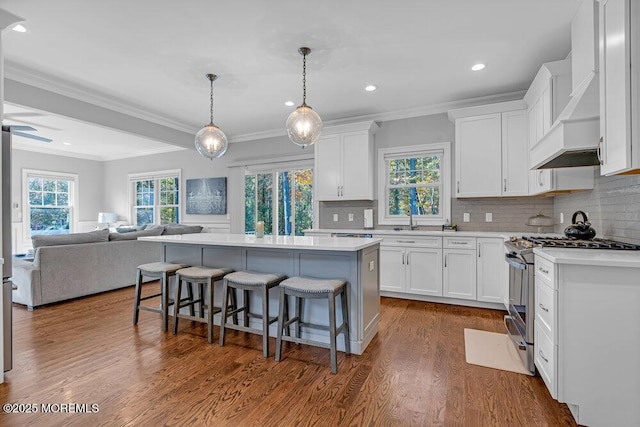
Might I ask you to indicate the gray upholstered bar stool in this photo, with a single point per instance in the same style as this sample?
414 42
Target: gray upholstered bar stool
201 276
155 270
304 288
249 281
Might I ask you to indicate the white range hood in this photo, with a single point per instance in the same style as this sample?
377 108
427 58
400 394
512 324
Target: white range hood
573 138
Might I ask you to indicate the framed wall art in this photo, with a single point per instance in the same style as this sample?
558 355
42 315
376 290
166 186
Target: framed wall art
207 196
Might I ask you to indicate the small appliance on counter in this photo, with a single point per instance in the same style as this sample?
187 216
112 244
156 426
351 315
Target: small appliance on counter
542 223
368 219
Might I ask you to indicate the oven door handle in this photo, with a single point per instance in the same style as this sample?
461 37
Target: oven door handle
515 262
520 344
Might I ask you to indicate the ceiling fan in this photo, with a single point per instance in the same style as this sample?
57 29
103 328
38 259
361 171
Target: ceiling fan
21 130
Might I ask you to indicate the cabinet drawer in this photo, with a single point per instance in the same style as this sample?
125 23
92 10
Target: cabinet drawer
545 359
410 241
459 243
545 307
545 269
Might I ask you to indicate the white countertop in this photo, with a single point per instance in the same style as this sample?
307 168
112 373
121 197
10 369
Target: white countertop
598 257
438 233
344 244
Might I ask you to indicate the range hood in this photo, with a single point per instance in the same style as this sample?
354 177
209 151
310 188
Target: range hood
573 138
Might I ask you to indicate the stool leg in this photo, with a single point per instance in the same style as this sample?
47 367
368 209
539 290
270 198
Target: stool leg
190 296
281 320
299 309
225 307
245 301
201 298
210 311
345 321
176 313
164 284
265 321
234 305
136 300
332 332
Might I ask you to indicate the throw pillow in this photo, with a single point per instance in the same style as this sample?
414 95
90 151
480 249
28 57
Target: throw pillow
171 229
135 234
129 228
69 239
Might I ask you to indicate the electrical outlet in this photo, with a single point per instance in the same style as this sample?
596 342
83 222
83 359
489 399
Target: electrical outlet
465 217
351 217
372 265
488 217
335 217
561 218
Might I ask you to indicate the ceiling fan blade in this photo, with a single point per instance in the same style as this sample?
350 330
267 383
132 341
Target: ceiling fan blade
23 128
35 137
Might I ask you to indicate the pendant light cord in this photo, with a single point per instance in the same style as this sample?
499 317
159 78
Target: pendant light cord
211 96
304 79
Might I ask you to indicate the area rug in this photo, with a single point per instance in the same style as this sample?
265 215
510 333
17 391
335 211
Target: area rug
492 350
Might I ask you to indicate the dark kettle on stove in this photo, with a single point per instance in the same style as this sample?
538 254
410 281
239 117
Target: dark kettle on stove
580 229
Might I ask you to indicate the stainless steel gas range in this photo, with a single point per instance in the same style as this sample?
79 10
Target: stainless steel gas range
519 322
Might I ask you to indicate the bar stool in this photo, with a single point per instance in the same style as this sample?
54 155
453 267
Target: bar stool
305 288
249 281
155 270
202 276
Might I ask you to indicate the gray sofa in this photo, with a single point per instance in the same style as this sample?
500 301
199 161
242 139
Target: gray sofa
76 265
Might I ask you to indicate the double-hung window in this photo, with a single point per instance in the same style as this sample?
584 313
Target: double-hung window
414 180
282 198
50 201
155 197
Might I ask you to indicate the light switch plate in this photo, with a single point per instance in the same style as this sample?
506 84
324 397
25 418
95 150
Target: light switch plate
335 217
561 218
351 217
465 217
488 217
372 265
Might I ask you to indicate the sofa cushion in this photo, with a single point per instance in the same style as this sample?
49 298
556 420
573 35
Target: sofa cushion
133 235
69 239
129 228
170 229
154 226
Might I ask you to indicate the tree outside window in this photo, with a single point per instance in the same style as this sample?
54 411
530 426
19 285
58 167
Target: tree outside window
49 205
156 200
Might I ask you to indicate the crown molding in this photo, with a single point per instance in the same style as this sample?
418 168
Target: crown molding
29 76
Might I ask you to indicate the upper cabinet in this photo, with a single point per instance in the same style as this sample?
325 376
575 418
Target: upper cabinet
619 86
344 163
491 150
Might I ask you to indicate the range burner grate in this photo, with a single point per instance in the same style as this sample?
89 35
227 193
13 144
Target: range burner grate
560 242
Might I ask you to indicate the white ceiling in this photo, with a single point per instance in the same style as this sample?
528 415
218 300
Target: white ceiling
152 56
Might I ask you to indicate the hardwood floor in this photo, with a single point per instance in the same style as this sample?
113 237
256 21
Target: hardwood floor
413 373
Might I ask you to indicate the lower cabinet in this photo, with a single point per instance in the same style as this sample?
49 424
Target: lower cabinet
459 279
493 271
411 266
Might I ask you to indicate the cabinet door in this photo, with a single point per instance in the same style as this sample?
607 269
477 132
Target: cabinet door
492 270
515 154
479 156
328 165
540 181
547 108
459 279
392 269
424 271
357 178
615 83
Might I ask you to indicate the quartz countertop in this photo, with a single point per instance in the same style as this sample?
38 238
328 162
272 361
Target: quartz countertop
382 233
322 243
598 257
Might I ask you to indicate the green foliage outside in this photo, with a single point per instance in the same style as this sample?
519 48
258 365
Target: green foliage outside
169 199
414 183
49 211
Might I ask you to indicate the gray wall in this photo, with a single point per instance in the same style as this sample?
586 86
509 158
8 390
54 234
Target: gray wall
613 207
509 214
91 189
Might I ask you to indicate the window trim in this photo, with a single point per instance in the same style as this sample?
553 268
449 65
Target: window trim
133 177
445 176
74 204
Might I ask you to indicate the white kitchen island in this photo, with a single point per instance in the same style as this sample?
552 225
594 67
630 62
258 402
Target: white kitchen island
355 260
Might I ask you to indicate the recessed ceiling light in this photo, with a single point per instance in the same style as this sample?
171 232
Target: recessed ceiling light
19 28
371 88
478 67
289 103
66 143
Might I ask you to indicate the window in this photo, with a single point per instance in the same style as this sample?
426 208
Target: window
414 178
49 204
282 199
156 198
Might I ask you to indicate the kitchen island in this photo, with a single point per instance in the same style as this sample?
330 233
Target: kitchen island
352 259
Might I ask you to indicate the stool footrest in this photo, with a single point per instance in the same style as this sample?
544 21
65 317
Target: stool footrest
151 309
243 328
305 341
150 296
196 318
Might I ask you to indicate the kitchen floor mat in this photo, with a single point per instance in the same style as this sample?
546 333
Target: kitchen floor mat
492 350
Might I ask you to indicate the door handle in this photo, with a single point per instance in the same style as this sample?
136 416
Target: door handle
479 250
543 307
402 258
505 184
458 184
445 260
408 255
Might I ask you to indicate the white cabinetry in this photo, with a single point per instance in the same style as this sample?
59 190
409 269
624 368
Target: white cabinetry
459 272
344 163
411 265
619 91
491 154
586 333
492 271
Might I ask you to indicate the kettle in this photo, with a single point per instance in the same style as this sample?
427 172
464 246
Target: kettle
580 229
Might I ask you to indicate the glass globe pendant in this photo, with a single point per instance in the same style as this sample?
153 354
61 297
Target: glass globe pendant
304 125
211 142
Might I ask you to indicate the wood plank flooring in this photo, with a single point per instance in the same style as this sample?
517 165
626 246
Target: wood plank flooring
413 373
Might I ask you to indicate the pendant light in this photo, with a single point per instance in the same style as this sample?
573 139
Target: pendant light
211 142
304 125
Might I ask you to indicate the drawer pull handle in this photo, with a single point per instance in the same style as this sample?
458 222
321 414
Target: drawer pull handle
543 307
543 270
406 241
542 355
